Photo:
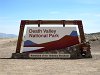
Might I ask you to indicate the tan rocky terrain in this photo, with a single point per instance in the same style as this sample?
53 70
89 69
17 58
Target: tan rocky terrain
51 66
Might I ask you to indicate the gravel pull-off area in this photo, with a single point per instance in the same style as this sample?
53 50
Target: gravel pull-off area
46 67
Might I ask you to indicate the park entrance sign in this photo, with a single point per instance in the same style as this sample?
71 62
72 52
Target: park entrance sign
49 39
52 42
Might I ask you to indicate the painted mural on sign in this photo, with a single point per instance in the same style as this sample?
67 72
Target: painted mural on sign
49 39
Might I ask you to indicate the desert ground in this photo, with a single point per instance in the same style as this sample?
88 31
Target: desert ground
89 66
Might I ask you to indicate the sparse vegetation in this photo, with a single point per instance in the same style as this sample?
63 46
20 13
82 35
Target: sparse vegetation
48 67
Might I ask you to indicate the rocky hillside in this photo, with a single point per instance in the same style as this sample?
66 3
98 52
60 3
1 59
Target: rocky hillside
94 39
93 36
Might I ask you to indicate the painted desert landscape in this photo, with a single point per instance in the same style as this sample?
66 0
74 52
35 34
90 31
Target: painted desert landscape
89 66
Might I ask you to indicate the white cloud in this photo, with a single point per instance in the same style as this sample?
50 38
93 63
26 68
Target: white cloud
54 12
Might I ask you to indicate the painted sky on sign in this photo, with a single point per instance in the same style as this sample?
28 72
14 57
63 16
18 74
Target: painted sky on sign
13 11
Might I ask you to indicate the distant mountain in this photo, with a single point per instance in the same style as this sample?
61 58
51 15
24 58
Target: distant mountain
4 35
97 33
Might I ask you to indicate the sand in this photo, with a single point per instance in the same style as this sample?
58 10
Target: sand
47 66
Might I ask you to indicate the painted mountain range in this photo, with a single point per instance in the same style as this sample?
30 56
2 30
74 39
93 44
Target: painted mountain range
66 41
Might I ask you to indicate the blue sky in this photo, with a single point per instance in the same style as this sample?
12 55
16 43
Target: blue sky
13 11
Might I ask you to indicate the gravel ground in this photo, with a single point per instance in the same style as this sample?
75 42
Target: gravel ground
46 66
